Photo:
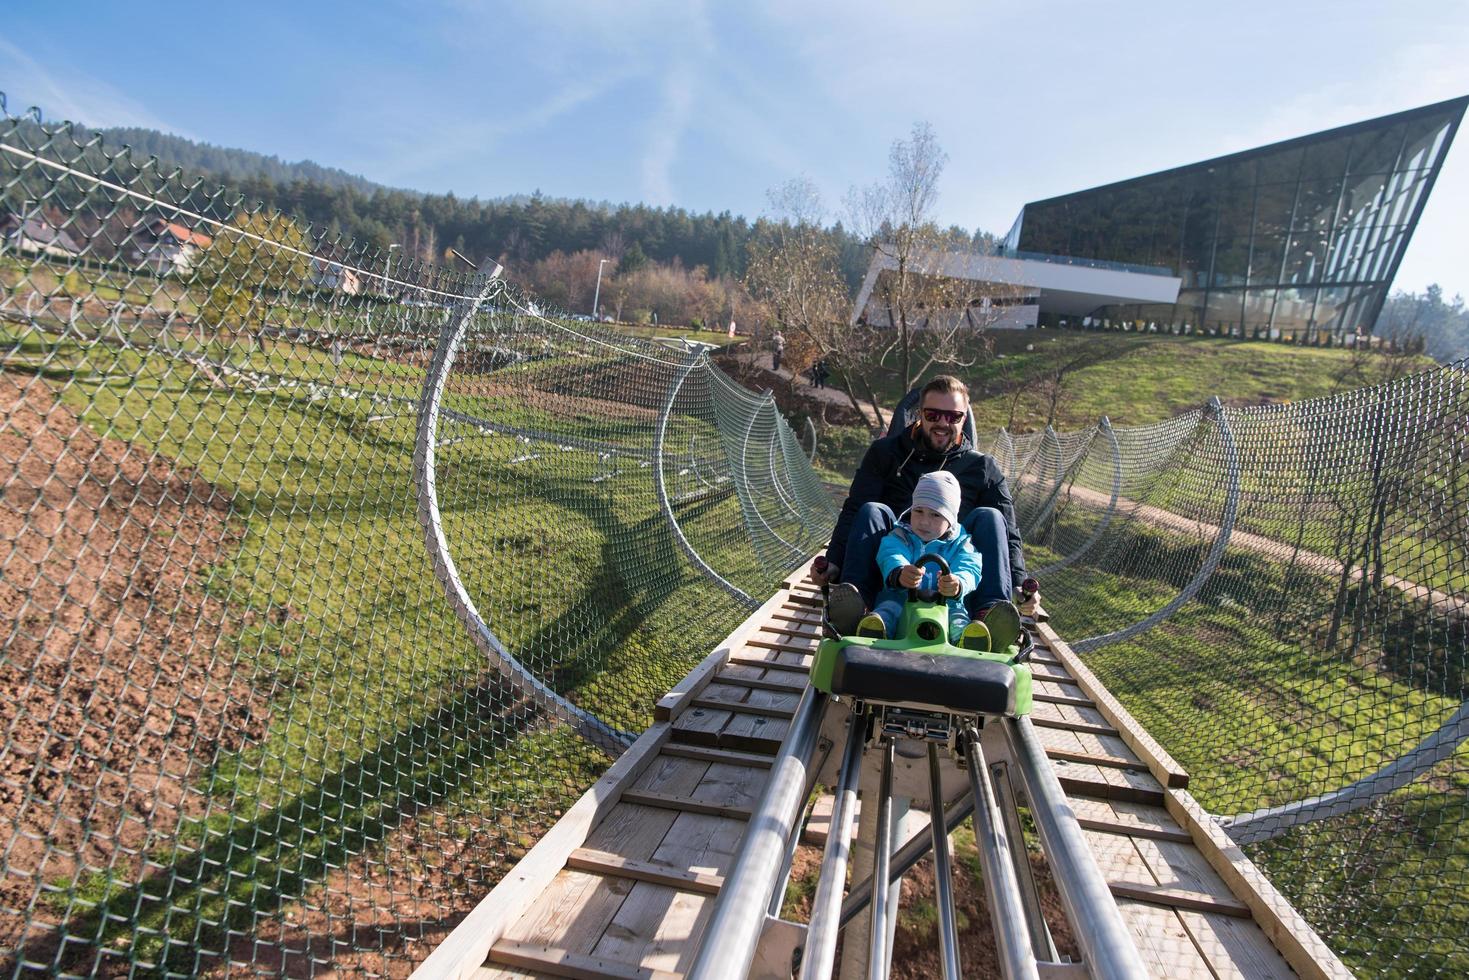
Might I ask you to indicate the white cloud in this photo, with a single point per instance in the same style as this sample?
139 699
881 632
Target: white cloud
74 96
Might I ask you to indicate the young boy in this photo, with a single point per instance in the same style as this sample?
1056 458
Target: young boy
932 528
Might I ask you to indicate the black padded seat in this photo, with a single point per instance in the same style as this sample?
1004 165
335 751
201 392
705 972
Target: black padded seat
962 684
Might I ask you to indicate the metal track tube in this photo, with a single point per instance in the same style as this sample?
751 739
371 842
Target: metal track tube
907 856
826 908
739 915
1005 798
1105 942
1001 888
943 873
882 849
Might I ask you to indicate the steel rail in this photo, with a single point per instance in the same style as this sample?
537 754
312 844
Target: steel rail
430 406
943 872
660 487
882 849
1105 942
1001 886
733 932
826 908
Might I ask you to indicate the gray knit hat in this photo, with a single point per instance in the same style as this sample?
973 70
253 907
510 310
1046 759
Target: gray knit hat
939 491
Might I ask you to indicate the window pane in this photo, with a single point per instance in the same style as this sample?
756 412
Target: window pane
1376 151
1222 314
1425 136
1281 167
1231 261
1304 258
1330 304
1327 159
1316 205
1293 310
1258 306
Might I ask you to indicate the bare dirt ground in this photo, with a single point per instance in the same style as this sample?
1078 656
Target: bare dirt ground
915 949
116 683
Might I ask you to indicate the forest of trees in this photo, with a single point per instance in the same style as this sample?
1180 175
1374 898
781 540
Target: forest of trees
667 263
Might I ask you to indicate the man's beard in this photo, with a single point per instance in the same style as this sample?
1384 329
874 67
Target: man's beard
929 441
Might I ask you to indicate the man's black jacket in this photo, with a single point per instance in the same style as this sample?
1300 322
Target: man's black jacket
891 469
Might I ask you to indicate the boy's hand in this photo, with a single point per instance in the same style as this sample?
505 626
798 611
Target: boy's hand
948 585
909 576
823 571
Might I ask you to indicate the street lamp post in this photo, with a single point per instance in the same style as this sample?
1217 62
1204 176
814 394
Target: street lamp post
597 296
388 272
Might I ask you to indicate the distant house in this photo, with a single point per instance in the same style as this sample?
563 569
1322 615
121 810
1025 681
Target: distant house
166 247
35 235
329 274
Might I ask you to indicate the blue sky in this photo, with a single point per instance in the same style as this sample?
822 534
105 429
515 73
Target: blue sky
708 105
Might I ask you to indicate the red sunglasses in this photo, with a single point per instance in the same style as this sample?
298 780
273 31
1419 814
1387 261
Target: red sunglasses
942 415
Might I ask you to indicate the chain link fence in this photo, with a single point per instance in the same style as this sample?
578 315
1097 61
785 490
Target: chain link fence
327 578
1280 595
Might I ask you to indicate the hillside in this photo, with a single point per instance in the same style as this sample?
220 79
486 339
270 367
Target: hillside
1133 380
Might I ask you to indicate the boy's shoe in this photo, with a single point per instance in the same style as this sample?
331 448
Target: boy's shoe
976 636
873 627
1003 621
844 608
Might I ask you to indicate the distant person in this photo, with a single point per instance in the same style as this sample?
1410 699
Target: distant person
884 483
932 528
821 373
777 350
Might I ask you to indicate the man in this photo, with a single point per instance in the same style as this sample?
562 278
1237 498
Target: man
883 487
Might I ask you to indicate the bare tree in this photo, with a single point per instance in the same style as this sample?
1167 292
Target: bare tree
794 271
896 216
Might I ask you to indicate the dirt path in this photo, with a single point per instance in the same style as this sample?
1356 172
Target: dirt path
1443 603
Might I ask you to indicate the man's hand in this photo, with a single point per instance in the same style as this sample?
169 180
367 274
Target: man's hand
948 585
824 572
1029 595
909 576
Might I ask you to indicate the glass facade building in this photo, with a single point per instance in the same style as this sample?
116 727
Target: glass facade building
1296 238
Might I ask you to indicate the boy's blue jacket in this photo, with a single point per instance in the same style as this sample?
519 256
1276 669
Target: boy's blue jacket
902 546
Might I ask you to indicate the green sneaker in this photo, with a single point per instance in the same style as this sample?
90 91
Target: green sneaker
872 627
1003 621
976 636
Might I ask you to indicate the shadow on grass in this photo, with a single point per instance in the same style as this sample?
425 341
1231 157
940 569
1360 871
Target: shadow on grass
246 869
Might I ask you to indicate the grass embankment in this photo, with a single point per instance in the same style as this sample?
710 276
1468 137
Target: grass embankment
380 707
1133 379
1250 698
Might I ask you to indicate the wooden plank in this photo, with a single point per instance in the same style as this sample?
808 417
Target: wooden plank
1161 939
465 949
574 908
768 662
1302 948
1088 758
1072 726
1177 898
1063 699
672 704
1132 830
1166 947
659 926
759 683
718 755
683 804
603 863
564 963
1235 949
1163 766
781 646
1110 791
746 708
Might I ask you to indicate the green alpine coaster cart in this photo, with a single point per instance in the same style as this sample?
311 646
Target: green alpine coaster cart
920 672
